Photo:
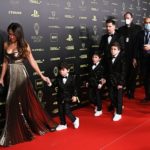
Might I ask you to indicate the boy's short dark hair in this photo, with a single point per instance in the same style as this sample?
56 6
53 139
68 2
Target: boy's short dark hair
63 65
111 21
116 44
97 53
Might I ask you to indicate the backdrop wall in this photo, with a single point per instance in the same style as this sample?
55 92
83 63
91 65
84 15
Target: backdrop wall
67 30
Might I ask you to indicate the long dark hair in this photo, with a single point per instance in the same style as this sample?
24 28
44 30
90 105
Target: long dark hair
16 28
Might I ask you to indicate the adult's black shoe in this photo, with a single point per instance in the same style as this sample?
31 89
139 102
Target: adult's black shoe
145 100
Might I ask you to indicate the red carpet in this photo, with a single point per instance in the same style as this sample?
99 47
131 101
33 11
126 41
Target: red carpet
100 133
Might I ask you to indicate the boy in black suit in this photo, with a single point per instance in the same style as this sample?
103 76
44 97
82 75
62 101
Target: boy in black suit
95 83
67 93
116 79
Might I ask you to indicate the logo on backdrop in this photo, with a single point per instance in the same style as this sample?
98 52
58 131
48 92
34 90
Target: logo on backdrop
138 5
82 5
69 38
36 28
54 37
40 95
39 84
35 14
55 71
35 1
36 38
53 16
68 5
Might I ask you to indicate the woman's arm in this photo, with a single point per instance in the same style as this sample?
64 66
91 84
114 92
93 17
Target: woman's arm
4 68
35 66
4 65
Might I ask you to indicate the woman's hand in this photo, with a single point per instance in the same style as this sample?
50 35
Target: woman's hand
119 87
47 80
74 98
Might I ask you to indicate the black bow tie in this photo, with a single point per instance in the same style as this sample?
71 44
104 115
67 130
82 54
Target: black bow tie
110 35
113 56
65 77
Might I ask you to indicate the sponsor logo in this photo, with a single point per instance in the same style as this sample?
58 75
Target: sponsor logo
54 37
53 15
54 27
82 17
36 38
55 59
54 48
69 16
40 95
12 12
69 38
39 84
69 27
82 5
70 47
35 14
37 49
68 5
55 71
35 1
94 18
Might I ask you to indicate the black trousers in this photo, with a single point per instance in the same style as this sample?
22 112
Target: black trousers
95 97
116 97
145 68
130 77
64 109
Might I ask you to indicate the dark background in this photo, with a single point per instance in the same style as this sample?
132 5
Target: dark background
64 30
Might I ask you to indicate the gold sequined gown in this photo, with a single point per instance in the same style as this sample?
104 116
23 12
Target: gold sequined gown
25 116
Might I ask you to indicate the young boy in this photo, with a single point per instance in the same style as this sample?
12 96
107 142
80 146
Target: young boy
116 80
67 93
95 83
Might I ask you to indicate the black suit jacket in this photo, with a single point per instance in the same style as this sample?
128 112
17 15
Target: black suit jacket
117 70
95 75
130 34
67 90
105 47
139 53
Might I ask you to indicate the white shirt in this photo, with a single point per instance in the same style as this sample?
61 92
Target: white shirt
64 79
95 65
114 58
109 39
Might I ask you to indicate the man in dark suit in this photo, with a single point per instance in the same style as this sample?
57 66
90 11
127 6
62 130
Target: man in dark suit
66 93
110 37
129 31
95 82
142 53
116 78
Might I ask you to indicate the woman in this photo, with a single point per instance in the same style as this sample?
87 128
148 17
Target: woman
24 114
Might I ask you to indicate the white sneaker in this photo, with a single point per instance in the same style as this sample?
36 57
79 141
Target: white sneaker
117 117
98 113
76 123
61 127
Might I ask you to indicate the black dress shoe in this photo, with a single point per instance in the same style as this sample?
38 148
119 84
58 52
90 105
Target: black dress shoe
130 95
145 100
110 108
